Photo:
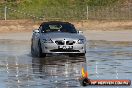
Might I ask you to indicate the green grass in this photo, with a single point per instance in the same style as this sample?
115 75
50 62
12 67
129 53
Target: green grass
64 9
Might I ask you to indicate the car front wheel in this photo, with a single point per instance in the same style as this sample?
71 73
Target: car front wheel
39 51
32 50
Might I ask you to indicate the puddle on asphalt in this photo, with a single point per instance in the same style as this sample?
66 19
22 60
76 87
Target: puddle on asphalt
105 60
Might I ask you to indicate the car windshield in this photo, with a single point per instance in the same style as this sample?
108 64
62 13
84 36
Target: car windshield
58 27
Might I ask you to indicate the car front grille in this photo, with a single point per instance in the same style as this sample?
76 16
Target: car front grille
62 42
70 42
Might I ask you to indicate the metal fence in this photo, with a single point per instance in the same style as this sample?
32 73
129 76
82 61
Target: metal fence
117 12
121 12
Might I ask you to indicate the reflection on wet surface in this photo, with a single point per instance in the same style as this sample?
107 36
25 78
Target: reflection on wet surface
105 60
59 71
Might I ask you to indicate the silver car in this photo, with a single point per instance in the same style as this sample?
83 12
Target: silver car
57 37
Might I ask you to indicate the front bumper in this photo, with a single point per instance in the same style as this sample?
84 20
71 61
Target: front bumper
54 48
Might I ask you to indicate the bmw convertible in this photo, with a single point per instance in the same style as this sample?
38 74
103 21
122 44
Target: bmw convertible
57 37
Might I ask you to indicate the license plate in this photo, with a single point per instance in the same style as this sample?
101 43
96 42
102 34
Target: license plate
65 47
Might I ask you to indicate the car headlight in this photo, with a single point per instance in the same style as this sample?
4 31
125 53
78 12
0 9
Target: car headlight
47 41
80 41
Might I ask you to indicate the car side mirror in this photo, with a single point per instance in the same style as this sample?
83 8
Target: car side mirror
80 32
36 31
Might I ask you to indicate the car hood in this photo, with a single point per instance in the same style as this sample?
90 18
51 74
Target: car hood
62 35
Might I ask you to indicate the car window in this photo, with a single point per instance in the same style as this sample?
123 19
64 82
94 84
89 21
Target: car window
58 28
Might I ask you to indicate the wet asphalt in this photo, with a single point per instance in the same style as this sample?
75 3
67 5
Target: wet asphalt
103 60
